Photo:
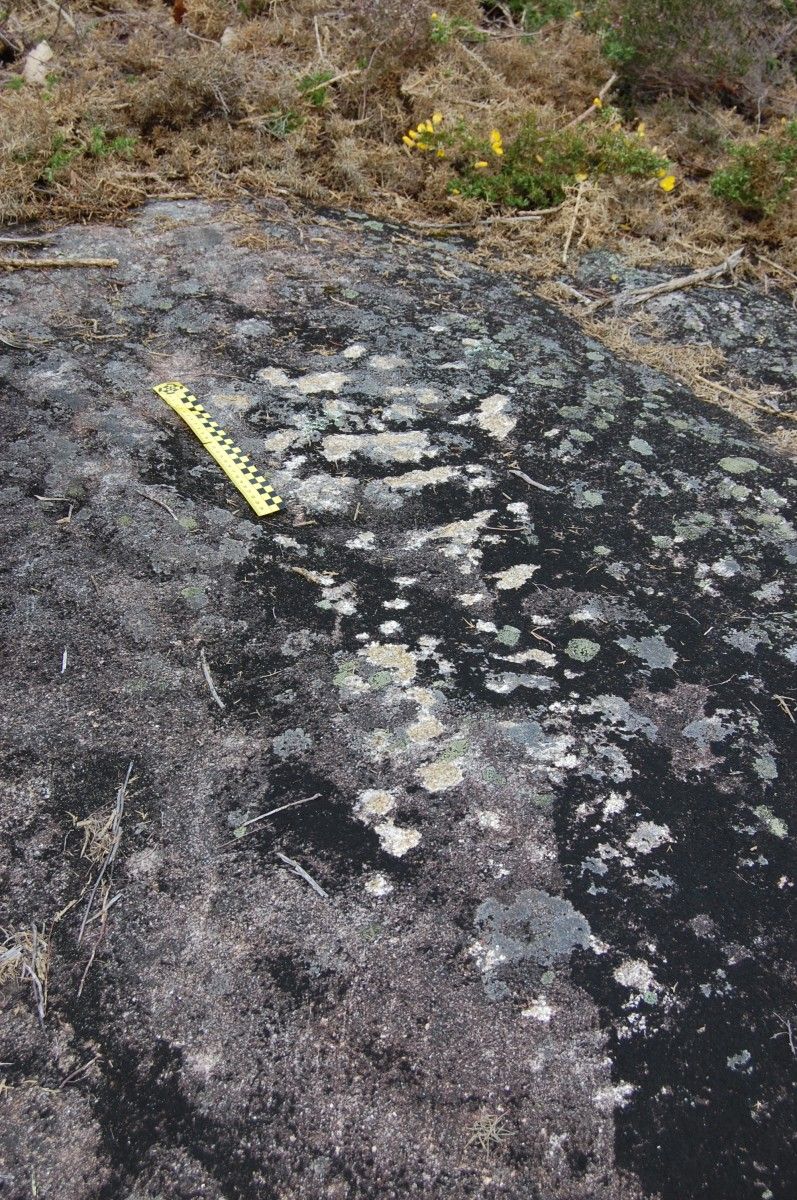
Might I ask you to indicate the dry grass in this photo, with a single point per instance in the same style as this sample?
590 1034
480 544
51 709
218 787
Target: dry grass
221 107
25 948
98 832
24 954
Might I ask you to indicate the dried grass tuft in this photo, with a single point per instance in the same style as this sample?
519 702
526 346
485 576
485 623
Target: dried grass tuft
214 86
24 954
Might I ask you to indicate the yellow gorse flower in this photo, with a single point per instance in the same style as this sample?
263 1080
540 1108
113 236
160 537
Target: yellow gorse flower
598 102
415 137
496 143
481 164
667 183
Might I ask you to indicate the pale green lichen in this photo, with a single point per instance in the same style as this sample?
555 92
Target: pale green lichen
440 776
652 650
738 466
775 825
765 767
588 499
394 658
345 671
455 750
514 577
582 649
493 416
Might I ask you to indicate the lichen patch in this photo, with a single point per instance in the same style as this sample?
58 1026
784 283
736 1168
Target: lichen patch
405 446
493 416
392 657
441 776
514 577
396 840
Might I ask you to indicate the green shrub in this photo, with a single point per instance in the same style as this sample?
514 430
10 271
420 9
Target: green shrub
281 122
537 167
696 47
534 14
61 155
762 174
313 87
98 145
65 149
443 29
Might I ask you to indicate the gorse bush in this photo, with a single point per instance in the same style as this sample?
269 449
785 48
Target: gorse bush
762 174
538 166
443 29
535 14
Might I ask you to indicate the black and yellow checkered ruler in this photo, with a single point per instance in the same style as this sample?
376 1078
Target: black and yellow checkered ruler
236 465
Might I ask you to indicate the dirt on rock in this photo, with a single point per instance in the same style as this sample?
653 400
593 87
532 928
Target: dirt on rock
515 664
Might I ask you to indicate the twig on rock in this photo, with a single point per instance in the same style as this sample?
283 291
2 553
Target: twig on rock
161 504
513 219
533 482
48 264
238 831
300 871
641 295
203 662
25 241
765 408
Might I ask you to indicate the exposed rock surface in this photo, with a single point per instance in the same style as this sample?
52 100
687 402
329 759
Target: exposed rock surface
546 725
754 331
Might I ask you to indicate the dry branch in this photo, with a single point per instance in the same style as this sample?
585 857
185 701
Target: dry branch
300 871
747 400
593 108
25 241
272 811
203 662
115 839
47 264
641 295
543 487
535 214
160 503
572 226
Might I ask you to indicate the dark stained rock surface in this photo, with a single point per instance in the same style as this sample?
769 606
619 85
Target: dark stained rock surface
547 729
